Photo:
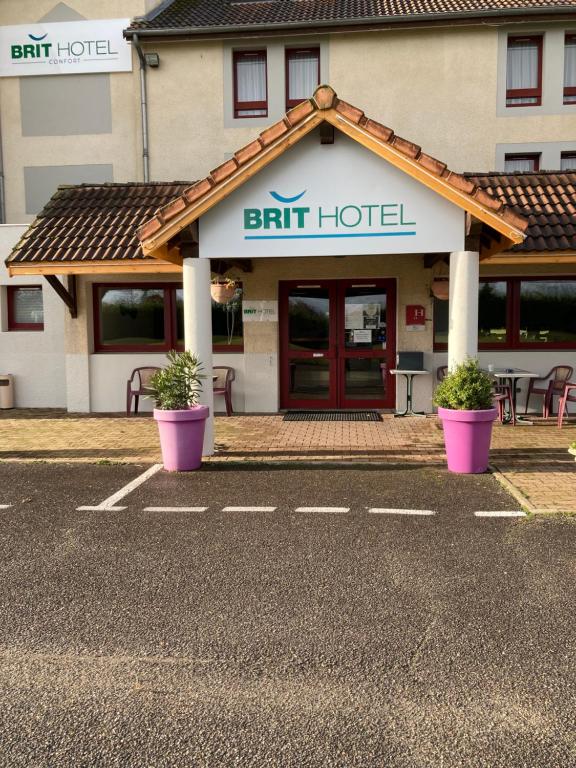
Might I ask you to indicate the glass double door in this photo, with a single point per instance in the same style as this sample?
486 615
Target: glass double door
337 343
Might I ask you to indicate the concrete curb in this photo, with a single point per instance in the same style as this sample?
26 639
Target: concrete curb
524 502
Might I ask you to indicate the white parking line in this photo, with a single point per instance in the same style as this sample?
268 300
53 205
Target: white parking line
175 509
500 513
324 510
386 511
249 509
108 504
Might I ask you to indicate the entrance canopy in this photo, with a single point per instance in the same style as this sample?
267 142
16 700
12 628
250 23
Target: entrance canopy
330 197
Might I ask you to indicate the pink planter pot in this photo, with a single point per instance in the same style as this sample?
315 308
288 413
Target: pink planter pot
182 437
467 437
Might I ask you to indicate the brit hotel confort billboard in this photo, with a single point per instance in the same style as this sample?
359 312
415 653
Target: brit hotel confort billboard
64 48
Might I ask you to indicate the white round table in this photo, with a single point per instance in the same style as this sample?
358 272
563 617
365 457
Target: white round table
511 375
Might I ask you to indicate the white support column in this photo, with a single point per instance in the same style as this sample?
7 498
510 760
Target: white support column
463 307
198 332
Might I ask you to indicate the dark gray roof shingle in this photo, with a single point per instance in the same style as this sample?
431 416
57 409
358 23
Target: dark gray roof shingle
90 222
546 198
204 15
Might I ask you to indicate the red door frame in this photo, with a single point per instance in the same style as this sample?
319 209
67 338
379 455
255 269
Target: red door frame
337 354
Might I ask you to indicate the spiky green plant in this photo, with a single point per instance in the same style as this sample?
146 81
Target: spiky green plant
177 386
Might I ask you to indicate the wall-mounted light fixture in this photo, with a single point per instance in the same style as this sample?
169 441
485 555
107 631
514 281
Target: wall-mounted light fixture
152 60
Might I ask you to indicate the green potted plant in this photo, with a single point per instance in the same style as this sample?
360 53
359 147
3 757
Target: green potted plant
223 289
181 420
466 409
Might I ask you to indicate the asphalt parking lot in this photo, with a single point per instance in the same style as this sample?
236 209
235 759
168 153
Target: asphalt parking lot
342 627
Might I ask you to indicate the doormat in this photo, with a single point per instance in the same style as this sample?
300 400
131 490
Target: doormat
332 416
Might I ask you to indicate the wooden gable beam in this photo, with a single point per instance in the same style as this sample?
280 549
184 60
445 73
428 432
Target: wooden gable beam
151 246
68 296
511 235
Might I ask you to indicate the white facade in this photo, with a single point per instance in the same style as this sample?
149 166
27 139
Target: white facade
34 358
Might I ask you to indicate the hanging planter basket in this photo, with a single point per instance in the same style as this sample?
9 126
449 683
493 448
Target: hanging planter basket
223 293
440 289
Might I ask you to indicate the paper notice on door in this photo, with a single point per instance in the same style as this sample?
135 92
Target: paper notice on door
371 315
362 337
354 316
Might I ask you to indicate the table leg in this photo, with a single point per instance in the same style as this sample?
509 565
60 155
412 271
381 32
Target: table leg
519 419
409 389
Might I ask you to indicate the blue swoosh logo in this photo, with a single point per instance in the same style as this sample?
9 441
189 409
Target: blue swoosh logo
282 199
37 39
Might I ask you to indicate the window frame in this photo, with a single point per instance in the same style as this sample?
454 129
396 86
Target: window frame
564 155
291 103
513 316
528 93
536 156
12 324
170 323
568 90
248 105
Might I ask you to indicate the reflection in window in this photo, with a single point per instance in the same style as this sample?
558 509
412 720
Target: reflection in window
547 311
440 321
227 328
308 318
364 379
492 313
131 317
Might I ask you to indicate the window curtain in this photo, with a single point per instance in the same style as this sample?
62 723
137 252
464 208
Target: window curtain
524 164
522 67
251 82
28 307
568 162
302 74
570 68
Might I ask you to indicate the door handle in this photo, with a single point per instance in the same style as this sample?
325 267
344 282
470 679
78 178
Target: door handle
317 354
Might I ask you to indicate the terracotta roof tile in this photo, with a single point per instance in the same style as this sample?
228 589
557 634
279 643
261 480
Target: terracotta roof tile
203 16
88 222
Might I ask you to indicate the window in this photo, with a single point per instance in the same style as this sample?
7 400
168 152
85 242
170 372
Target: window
302 74
25 308
519 313
524 71
568 161
524 163
250 84
570 69
547 311
150 318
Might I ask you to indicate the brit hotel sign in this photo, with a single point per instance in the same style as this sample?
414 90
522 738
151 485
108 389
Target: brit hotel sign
330 200
65 48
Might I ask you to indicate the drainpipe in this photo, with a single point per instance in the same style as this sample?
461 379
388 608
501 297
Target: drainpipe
2 189
143 109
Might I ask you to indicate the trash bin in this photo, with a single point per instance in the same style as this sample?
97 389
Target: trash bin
7 391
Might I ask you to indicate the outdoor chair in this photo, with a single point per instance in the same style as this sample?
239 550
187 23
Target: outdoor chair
224 377
441 372
555 380
138 384
568 396
502 393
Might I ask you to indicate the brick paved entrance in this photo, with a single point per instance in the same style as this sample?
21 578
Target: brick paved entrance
534 459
